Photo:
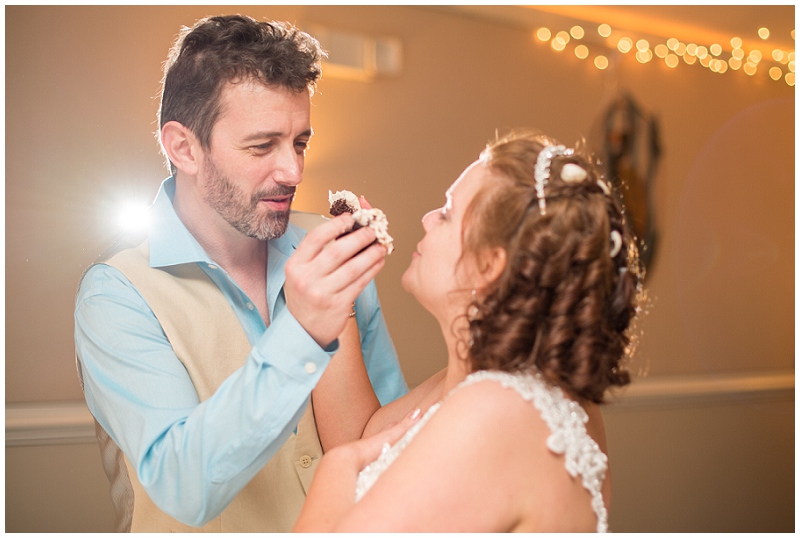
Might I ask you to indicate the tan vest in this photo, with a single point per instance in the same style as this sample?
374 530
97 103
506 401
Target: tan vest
272 501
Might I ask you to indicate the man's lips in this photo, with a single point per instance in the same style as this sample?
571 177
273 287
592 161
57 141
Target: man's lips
278 201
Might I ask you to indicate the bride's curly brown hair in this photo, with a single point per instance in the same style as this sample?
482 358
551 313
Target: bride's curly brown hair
562 304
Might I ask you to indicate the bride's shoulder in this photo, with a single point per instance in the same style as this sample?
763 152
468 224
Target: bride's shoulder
497 401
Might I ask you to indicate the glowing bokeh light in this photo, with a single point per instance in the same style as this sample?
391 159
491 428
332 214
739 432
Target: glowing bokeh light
625 45
713 56
672 60
543 34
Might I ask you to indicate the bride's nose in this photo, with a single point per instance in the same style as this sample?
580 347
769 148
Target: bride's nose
426 221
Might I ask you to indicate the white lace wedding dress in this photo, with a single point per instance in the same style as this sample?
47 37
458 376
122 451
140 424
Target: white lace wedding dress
565 418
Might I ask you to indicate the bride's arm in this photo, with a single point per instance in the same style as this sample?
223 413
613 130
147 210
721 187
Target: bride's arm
344 399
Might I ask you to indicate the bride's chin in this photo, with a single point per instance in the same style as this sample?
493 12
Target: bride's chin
405 281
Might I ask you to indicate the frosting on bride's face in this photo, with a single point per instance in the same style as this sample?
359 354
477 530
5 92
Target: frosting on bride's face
438 277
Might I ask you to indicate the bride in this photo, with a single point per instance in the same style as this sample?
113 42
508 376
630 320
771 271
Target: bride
530 271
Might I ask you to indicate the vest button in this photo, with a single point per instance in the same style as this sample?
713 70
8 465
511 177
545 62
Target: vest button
305 462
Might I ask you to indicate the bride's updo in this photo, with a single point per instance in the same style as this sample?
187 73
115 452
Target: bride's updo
570 286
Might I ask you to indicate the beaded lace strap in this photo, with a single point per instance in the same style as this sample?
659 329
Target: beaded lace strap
566 420
370 474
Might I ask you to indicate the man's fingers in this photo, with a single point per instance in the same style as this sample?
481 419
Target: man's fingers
342 251
318 238
354 274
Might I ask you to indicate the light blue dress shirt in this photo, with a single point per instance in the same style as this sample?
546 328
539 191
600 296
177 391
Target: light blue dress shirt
193 458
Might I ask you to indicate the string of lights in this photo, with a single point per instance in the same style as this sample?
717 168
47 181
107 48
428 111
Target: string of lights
716 57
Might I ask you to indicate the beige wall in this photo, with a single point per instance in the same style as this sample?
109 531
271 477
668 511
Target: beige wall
80 110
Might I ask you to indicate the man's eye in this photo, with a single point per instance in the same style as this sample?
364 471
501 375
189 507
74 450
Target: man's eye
301 145
262 147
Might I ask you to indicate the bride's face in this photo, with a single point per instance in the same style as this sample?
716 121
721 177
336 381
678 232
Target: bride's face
437 276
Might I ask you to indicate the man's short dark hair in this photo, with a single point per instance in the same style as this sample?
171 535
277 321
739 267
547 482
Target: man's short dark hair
232 48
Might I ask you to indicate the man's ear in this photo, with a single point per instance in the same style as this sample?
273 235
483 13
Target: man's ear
182 147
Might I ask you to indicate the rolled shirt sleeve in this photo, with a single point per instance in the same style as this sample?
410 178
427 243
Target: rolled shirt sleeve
192 458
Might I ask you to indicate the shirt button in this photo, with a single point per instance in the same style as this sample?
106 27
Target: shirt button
311 367
212 266
305 462
250 306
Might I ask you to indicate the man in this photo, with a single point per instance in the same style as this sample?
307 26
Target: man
217 367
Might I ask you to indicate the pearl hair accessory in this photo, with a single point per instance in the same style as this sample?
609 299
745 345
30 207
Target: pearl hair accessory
616 243
572 173
541 172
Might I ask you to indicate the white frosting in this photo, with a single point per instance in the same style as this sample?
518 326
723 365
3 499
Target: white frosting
349 198
373 218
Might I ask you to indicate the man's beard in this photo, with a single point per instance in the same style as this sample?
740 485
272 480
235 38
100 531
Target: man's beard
231 202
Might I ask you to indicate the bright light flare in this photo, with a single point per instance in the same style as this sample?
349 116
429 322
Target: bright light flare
134 217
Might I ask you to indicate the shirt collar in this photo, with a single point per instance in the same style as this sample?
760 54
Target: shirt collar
171 243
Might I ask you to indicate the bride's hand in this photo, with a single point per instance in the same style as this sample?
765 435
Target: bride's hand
368 449
332 491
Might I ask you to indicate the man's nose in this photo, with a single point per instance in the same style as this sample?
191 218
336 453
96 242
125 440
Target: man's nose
289 169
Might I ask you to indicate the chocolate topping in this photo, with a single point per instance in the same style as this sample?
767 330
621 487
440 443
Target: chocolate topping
340 206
